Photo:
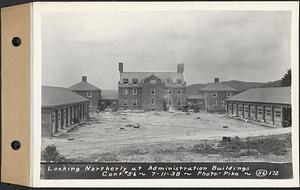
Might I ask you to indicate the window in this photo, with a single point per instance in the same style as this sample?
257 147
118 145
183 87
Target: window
134 102
195 101
125 81
89 94
152 91
214 94
228 94
246 109
152 101
268 112
134 81
91 103
240 108
169 101
179 102
125 103
125 91
134 91
260 110
152 81
178 91
278 113
178 81
170 91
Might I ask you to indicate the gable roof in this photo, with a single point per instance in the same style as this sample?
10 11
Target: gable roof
217 87
278 95
140 76
109 94
83 86
58 96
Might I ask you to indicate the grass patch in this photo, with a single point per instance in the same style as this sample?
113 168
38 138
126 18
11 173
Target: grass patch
255 146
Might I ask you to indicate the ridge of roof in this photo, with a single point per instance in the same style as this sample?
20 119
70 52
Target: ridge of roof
219 86
83 86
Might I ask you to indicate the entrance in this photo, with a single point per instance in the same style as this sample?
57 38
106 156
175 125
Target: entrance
286 117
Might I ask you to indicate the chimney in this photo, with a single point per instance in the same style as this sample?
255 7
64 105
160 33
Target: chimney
217 80
121 67
84 78
180 68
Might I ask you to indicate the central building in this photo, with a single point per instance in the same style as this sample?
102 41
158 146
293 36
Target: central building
151 91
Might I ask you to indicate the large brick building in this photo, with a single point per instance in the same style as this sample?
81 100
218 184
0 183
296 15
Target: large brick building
61 108
88 91
269 105
215 95
151 90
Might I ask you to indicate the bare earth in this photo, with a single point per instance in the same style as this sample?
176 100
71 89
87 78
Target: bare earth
162 137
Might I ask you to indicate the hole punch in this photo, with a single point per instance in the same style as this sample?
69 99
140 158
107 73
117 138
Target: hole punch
15 145
16 41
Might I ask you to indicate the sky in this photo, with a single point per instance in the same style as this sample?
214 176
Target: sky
249 46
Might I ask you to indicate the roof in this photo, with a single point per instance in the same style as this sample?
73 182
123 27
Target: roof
83 86
193 97
217 87
278 95
164 76
58 96
109 94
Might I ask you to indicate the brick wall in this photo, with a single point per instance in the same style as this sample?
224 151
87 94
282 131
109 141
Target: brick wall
96 96
46 122
216 102
129 97
147 96
174 96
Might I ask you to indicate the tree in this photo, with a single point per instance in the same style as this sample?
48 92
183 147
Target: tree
286 79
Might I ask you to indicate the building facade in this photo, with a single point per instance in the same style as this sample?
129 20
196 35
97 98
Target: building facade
268 105
61 108
215 95
151 90
89 91
195 102
109 100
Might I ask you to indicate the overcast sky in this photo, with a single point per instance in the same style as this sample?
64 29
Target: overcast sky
232 45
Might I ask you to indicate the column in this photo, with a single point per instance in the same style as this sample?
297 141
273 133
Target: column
255 111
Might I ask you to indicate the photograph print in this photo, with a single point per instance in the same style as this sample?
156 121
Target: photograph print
159 87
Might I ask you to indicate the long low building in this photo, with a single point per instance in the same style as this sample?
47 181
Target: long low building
61 108
269 105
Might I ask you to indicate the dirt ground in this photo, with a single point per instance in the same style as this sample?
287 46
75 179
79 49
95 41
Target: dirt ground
162 137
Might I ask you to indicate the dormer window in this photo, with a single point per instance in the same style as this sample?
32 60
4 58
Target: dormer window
178 81
134 81
125 81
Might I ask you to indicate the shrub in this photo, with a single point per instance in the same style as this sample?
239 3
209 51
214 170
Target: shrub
51 154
